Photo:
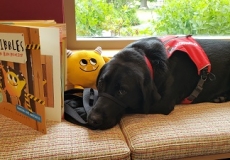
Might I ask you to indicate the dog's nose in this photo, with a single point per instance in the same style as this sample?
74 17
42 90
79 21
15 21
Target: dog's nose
94 121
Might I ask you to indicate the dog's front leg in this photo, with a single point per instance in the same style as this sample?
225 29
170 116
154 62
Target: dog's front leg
168 97
164 106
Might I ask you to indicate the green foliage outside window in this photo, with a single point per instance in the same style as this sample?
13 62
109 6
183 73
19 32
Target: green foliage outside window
197 17
94 16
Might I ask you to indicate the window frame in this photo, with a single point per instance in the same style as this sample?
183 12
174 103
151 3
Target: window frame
75 43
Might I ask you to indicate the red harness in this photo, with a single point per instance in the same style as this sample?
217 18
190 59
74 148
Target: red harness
189 46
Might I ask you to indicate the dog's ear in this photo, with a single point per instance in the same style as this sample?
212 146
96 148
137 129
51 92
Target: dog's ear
150 95
155 51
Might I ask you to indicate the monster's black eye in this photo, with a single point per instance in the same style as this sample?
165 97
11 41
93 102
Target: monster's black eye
83 62
10 77
15 80
93 61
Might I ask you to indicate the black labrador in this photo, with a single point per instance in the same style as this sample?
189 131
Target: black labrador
126 85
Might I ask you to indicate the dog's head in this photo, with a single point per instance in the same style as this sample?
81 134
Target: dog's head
123 84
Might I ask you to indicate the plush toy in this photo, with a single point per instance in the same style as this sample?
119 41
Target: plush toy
83 67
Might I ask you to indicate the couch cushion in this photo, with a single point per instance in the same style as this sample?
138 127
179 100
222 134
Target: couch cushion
63 141
190 130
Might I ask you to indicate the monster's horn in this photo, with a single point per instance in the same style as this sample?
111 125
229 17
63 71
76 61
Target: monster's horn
98 50
69 52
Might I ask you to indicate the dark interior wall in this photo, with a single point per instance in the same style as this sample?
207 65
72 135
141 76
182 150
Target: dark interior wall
32 10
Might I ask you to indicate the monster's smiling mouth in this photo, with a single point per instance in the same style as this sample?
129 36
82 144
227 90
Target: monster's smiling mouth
13 84
91 70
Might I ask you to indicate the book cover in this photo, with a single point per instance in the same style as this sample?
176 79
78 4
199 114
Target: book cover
21 79
52 112
49 45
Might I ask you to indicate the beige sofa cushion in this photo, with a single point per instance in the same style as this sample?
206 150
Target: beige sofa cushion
63 141
190 130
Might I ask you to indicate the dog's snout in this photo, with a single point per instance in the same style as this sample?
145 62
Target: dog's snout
95 120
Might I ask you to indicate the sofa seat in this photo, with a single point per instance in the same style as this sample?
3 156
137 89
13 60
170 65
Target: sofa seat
190 130
63 141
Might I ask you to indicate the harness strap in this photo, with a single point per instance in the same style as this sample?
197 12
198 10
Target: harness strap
113 99
195 92
205 74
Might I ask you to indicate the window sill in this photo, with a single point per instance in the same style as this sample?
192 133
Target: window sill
106 53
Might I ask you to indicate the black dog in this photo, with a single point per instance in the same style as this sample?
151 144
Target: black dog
125 84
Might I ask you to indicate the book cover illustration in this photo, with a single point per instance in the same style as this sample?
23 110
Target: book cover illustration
14 90
22 80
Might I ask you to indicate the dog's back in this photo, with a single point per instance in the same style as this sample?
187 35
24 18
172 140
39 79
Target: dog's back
218 52
176 77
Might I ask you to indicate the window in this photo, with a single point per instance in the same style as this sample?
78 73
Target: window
88 43
216 22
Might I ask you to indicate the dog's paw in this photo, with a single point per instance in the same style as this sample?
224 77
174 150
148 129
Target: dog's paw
168 111
220 99
163 110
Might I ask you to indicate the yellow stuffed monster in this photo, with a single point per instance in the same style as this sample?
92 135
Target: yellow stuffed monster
83 67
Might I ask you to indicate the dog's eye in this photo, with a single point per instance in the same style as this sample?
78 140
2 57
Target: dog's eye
121 92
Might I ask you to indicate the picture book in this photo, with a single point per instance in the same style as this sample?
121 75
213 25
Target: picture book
32 71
